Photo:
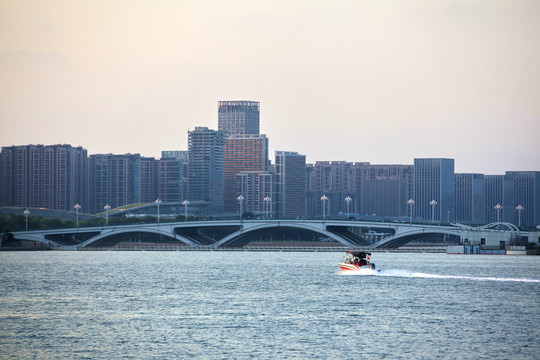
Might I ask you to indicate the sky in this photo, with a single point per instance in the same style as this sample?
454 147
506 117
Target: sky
382 81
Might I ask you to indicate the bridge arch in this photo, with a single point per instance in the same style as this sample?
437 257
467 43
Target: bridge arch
246 234
154 231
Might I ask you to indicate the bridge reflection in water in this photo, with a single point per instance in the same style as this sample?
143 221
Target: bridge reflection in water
237 234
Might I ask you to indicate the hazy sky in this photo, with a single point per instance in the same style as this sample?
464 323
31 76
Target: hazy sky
382 81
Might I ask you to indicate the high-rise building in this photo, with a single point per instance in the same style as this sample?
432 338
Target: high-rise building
170 183
527 194
290 196
255 187
470 199
149 179
238 117
434 180
499 190
205 168
53 176
115 180
382 190
242 153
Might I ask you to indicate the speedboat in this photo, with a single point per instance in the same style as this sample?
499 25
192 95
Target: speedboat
357 261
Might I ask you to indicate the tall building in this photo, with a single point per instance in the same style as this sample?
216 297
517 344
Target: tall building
242 153
149 179
290 196
527 194
53 176
382 189
434 180
238 117
205 168
470 199
499 190
255 187
170 180
115 180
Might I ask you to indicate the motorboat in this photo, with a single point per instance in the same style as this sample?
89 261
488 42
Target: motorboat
357 261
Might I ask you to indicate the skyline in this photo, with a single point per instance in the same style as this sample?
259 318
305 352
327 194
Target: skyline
389 79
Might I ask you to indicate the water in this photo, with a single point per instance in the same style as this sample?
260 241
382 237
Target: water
247 305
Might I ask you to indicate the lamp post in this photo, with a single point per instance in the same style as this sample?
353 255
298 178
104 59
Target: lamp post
26 213
498 207
240 199
519 209
267 201
185 203
433 203
77 207
410 202
348 200
107 208
158 202
324 198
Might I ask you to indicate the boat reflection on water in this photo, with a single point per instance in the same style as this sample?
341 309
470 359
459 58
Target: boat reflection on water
357 261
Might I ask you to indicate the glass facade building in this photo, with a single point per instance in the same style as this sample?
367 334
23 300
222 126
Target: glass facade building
290 196
434 179
205 168
238 117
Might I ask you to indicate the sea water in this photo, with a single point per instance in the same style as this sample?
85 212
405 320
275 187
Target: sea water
266 305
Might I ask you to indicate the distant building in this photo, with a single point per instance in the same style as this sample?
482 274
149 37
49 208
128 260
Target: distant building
499 189
382 189
205 168
149 179
255 187
238 117
182 155
170 180
470 199
115 180
290 196
53 176
527 194
434 180
242 153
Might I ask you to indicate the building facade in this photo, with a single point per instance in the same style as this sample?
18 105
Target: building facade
205 168
242 153
526 194
499 190
470 199
53 176
434 180
290 196
115 180
255 187
239 117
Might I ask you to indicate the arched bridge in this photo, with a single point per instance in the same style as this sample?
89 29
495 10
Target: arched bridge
236 233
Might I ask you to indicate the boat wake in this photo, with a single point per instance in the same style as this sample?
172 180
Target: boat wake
410 274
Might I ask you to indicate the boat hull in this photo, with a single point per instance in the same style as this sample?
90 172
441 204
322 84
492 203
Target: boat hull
352 267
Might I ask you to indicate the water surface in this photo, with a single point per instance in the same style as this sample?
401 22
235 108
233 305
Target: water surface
268 305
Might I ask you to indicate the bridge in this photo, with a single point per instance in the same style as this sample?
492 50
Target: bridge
237 233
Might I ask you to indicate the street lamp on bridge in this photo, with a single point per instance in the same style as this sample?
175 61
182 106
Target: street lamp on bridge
433 203
519 209
107 208
498 208
158 203
348 200
26 213
267 204
77 207
185 203
324 198
240 199
410 202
